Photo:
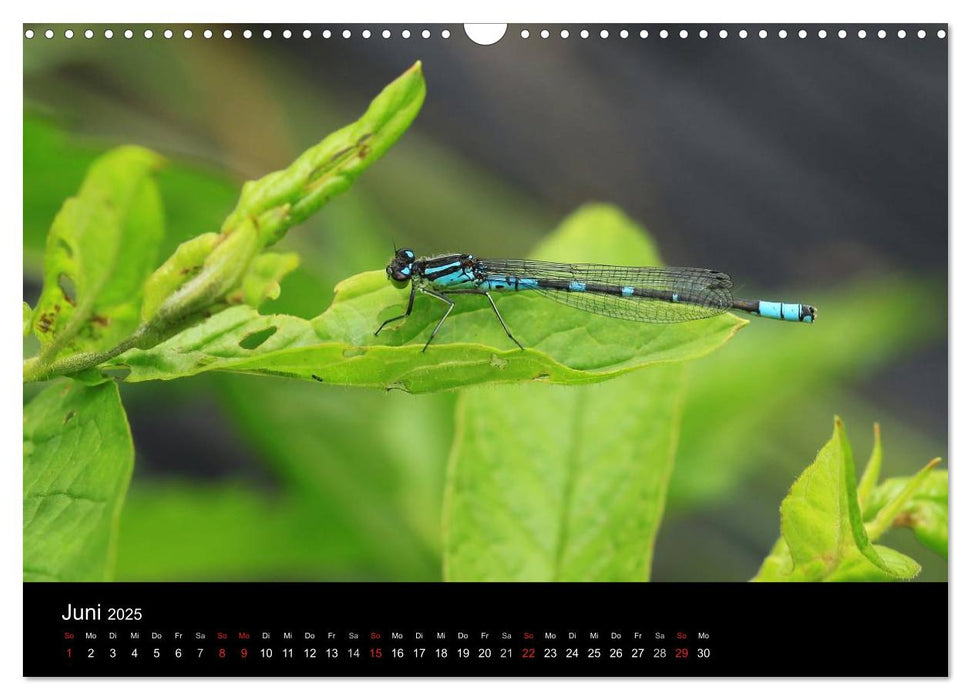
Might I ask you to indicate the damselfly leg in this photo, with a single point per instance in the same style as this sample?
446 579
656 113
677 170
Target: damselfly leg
451 305
406 314
494 308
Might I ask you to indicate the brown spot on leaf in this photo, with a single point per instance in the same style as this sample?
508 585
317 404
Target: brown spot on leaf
363 147
100 320
905 520
45 322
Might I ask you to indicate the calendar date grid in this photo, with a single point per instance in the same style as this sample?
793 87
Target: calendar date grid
374 647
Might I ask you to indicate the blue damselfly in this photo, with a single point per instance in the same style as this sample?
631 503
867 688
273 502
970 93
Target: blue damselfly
647 294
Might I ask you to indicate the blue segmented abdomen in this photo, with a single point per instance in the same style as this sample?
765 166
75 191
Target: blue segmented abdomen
783 311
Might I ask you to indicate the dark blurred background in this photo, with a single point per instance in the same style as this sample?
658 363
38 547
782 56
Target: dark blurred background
811 169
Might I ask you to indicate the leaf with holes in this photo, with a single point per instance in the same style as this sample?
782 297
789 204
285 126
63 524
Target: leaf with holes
100 250
284 198
563 345
78 460
212 270
824 537
554 484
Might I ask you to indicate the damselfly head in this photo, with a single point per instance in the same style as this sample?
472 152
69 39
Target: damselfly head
402 266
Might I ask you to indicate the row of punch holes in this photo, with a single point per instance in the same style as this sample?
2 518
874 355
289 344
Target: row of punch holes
490 37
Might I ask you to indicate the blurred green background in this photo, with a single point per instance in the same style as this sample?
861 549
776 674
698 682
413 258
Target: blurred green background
797 169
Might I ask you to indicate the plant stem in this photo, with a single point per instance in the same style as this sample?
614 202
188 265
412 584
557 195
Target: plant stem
79 318
38 370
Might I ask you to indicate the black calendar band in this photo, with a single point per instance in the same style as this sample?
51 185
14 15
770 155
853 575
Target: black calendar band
434 629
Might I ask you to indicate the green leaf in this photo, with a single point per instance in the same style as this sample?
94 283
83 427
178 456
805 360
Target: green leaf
285 198
871 474
823 536
930 526
564 345
531 496
55 161
262 279
78 460
886 516
555 484
918 502
54 164
100 249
